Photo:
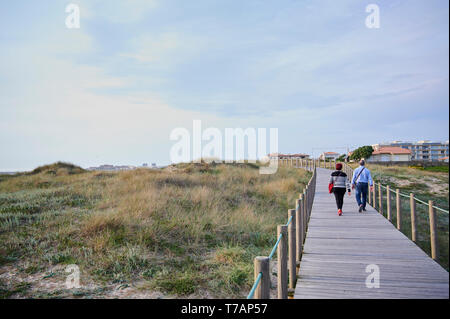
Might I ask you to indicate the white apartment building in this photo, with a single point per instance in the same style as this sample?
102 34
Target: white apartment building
421 150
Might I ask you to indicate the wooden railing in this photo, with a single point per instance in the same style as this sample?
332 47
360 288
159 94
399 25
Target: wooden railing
309 164
384 193
289 245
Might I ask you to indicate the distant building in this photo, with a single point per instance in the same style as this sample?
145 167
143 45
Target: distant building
390 154
329 156
107 167
274 156
443 159
421 150
145 165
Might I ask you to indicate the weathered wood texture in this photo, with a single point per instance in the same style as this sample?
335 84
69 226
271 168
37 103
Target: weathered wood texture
338 249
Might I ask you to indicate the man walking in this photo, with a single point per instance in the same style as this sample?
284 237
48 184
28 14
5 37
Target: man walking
361 180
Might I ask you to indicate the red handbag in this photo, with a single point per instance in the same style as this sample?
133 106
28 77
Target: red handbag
330 188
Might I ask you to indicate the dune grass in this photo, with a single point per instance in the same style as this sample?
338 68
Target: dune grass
186 230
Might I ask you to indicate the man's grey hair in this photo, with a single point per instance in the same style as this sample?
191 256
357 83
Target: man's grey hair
362 162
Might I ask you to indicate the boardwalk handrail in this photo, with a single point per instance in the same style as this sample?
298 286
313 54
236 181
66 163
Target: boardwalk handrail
298 218
372 200
348 168
340 251
416 199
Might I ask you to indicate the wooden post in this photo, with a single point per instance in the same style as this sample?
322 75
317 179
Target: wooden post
262 265
374 197
282 253
412 205
433 235
308 192
399 209
388 202
292 249
370 195
307 203
299 228
305 217
380 199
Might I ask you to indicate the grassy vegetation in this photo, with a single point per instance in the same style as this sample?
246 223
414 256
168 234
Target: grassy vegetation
189 229
430 183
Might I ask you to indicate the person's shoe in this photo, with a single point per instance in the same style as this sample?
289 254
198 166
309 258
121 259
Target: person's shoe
361 208
364 209
339 212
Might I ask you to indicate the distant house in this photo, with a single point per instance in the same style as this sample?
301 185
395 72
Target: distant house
108 167
274 156
390 154
443 159
329 156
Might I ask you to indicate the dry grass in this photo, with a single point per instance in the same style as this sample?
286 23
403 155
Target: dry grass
190 229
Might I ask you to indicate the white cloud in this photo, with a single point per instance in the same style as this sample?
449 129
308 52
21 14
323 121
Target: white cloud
153 48
165 50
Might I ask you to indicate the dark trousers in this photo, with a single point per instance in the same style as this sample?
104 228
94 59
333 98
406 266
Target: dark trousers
339 195
361 194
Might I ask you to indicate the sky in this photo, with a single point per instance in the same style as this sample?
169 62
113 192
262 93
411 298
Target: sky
112 91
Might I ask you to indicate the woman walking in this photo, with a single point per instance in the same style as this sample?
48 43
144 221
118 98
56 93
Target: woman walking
339 183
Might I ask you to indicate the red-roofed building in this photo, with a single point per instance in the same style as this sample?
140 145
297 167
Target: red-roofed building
390 154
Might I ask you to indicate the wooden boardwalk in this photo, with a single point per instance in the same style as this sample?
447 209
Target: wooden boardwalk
338 249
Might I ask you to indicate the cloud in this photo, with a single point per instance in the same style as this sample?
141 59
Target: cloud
112 90
164 50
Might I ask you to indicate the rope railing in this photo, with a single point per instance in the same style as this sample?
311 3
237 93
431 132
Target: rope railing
415 198
252 291
372 200
289 244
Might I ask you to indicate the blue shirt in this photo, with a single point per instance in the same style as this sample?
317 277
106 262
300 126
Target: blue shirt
365 176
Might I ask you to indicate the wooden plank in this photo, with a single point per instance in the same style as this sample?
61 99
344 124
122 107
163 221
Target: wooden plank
338 249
